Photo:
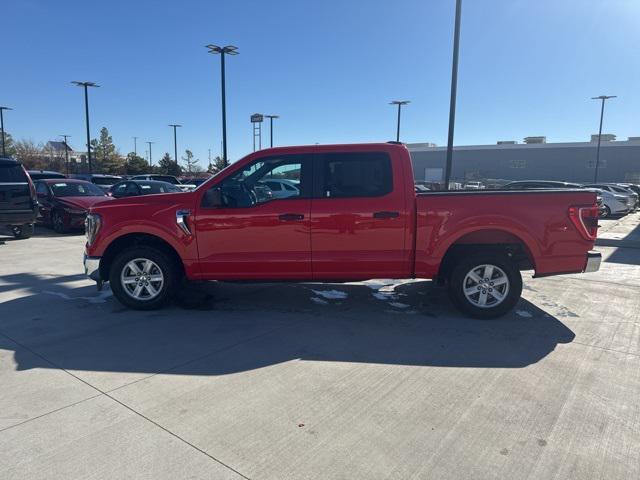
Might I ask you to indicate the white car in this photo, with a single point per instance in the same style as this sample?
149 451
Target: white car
614 204
282 188
474 186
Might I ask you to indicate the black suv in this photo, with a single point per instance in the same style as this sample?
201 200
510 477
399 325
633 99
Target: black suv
18 201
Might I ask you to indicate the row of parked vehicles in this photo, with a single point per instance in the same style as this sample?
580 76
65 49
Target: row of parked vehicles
63 202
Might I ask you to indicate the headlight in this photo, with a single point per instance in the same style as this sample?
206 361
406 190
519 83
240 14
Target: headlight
92 225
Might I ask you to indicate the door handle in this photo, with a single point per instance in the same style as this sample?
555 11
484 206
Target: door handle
291 217
386 214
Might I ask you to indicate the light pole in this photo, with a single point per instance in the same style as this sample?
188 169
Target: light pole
603 98
66 151
399 103
150 157
229 50
85 85
271 117
4 153
175 142
454 88
135 147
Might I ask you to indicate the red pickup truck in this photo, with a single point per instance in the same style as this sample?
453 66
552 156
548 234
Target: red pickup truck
339 213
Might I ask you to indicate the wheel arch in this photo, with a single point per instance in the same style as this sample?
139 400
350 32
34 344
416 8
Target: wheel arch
136 240
496 240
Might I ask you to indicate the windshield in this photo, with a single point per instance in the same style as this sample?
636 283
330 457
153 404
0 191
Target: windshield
64 189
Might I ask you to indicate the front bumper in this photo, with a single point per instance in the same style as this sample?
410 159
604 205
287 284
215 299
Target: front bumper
593 262
92 267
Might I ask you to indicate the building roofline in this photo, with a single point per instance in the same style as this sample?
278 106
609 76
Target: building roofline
420 147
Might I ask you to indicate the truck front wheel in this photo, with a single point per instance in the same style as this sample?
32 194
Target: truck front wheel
142 278
485 285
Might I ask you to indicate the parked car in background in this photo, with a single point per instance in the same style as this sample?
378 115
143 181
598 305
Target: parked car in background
42 174
421 188
529 184
474 186
185 187
613 204
104 182
281 188
196 182
18 202
133 188
630 195
64 202
631 186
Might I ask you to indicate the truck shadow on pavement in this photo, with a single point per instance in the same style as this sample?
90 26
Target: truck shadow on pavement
221 328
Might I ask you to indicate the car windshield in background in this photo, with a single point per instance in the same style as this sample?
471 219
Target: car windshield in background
69 189
12 173
157 187
166 178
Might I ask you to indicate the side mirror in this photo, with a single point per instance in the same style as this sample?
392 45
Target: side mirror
213 198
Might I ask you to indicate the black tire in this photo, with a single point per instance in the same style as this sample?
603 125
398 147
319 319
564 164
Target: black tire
606 213
22 232
469 304
165 265
57 222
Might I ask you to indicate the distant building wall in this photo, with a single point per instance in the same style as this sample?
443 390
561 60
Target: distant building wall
571 162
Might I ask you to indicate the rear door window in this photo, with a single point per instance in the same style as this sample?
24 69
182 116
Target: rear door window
360 174
12 174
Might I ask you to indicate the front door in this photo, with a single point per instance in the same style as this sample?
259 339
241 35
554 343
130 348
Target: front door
255 234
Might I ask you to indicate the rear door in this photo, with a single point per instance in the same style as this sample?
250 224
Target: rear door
359 217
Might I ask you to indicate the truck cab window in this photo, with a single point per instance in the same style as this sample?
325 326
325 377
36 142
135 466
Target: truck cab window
365 174
267 179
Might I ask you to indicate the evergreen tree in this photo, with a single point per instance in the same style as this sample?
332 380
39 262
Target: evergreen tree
9 145
167 166
136 165
216 165
105 156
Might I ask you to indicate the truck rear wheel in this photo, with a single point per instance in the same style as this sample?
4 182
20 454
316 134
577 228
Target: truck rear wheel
142 278
485 285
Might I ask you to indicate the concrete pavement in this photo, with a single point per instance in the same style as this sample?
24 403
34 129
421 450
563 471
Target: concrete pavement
289 381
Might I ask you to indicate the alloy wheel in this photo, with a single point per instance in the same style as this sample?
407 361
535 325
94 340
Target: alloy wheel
142 279
486 286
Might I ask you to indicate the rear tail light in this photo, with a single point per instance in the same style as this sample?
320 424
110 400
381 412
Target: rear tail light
585 220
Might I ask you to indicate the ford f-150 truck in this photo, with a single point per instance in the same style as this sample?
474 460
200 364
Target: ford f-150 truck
352 214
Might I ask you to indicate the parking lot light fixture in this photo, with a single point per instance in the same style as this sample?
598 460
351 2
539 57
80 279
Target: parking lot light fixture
399 103
86 86
454 90
271 117
2 109
602 98
222 51
175 141
150 157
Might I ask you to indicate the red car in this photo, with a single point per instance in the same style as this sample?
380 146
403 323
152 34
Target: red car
64 203
356 216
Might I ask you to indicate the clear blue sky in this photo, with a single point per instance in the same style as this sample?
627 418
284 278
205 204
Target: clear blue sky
328 68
